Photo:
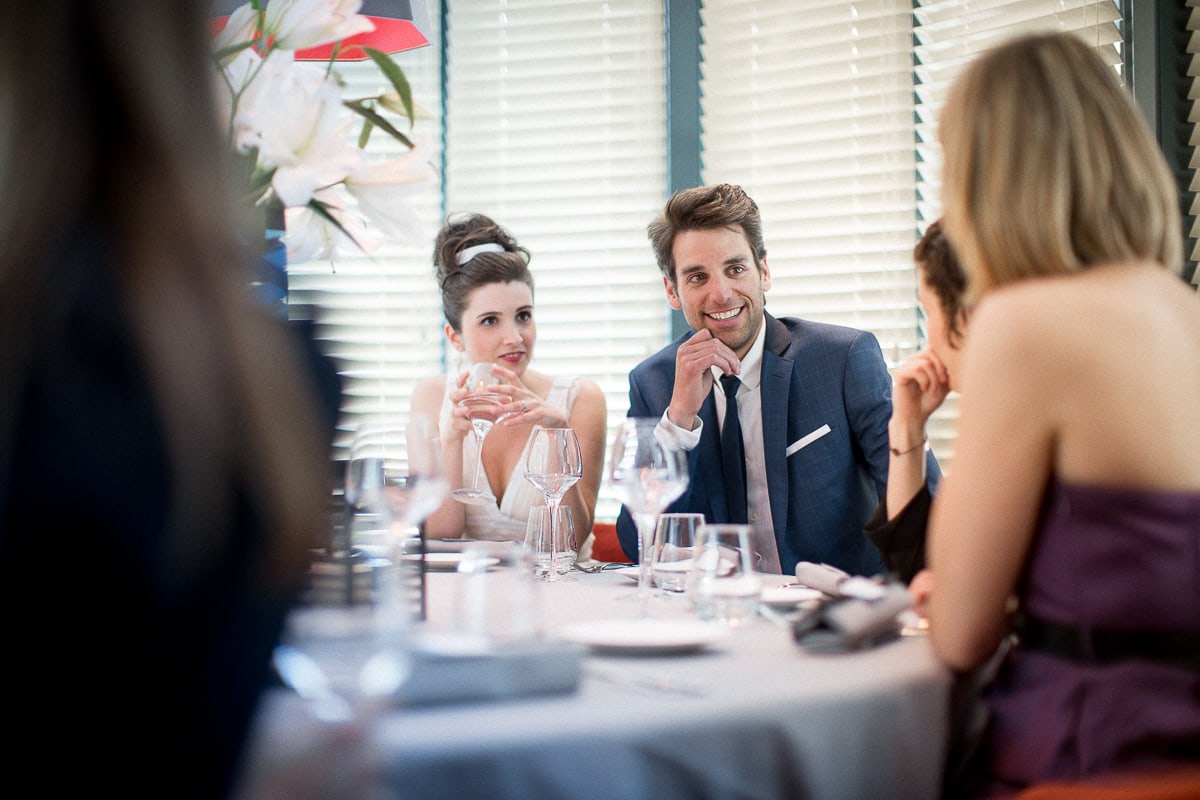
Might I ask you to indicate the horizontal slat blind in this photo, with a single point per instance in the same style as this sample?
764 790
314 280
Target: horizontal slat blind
947 35
379 314
556 128
809 107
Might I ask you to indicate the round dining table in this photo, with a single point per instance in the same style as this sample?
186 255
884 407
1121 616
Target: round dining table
743 713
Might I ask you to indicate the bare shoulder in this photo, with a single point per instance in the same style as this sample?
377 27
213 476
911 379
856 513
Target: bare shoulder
589 389
427 394
589 400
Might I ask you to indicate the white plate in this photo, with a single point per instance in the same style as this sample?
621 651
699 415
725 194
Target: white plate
789 595
633 573
644 637
448 562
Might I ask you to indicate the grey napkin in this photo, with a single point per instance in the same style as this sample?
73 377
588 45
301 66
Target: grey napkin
847 624
461 674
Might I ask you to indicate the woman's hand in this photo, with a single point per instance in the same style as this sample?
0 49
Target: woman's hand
460 421
525 406
921 587
920 386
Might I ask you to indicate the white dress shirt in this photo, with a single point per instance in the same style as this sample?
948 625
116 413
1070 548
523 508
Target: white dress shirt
758 501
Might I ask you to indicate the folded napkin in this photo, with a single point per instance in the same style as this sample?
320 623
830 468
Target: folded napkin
459 669
821 576
837 583
846 624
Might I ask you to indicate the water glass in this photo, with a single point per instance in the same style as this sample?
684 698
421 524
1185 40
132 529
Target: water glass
494 594
674 542
721 583
552 546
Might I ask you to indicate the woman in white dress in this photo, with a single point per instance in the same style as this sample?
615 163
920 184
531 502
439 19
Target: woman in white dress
487 299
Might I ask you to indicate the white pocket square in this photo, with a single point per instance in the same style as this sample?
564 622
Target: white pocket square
805 441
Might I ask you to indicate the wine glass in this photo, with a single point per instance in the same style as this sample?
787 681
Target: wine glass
374 443
553 464
345 644
483 407
647 472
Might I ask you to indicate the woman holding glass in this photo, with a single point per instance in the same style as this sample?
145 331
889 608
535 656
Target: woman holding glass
487 299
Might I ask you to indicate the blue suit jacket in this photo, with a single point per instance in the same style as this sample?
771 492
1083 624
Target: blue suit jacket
813 374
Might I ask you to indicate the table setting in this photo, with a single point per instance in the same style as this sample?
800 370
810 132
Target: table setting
522 677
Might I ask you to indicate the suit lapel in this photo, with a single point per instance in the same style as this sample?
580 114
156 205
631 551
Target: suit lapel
775 391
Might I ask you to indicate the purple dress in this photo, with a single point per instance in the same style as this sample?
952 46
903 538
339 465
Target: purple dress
1104 558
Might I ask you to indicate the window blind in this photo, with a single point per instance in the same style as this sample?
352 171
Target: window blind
555 124
555 127
378 314
826 114
949 33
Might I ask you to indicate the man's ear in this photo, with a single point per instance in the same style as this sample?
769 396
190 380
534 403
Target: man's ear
766 276
672 295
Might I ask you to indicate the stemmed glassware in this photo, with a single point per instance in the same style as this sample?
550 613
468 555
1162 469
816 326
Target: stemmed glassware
483 407
346 640
553 464
394 473
647 472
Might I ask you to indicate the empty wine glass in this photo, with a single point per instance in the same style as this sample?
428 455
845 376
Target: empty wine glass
483 407
647 472
553 464
394 475
374 444
346 642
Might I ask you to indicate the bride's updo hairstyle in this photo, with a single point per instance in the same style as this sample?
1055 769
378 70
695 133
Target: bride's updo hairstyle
471 251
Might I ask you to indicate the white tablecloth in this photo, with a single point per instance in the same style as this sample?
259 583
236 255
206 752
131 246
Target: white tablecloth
759 718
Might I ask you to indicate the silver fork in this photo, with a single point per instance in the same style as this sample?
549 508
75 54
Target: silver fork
599 566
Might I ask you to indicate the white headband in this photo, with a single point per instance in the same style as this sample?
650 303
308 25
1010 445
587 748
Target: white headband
467 254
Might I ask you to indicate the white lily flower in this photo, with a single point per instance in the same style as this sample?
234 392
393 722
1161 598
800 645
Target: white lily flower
299 24
310 236
292 114
235 75
240 29
289 119
383 190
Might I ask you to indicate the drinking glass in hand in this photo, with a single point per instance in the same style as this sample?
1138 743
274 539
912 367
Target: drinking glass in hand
483 407
647 473
674 547
553 464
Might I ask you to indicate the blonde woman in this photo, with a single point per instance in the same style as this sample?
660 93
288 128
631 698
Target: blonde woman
1075 495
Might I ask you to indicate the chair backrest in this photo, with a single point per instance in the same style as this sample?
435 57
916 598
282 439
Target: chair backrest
1182 783
605 546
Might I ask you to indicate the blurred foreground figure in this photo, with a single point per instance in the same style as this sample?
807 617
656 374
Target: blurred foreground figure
163 462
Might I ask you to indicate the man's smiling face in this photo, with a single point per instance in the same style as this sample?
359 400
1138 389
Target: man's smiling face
717 285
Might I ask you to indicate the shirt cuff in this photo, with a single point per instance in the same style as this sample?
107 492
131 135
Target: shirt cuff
683 438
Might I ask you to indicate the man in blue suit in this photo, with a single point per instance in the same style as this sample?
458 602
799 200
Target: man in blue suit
812 400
